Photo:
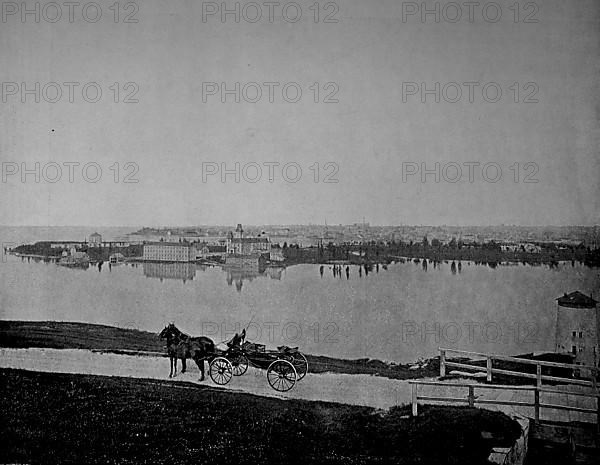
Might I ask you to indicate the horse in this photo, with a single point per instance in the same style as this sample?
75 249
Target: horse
198 348
175 349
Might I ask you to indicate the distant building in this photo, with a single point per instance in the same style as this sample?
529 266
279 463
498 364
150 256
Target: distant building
66 245
237 244
578 327
205 251
116 258
531 248
276 255
169 252
74 258
115 244
95 240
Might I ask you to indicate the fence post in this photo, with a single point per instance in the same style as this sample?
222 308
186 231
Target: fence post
489 368
414 399
537 405
594 378
539 375
471 396
597 414
442 363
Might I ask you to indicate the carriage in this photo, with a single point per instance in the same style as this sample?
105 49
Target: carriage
285 366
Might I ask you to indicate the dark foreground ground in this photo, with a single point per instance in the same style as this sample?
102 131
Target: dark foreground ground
60 418
71 335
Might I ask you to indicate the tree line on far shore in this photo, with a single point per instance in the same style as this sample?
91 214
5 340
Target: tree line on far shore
489 252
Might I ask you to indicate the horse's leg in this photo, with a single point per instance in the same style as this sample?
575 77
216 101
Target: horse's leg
171 366
200 362
175 364
183 365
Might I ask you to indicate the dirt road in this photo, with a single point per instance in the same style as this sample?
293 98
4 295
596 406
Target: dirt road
373 391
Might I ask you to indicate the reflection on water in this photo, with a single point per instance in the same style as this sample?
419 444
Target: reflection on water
182 271
396 312
187 272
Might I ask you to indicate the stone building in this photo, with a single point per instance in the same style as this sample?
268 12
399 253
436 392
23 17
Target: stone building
237 244
578 327
95 240
169 252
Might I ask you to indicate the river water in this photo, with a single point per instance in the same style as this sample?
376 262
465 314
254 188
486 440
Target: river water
399 313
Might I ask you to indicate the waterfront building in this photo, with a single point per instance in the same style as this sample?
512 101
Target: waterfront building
74 258
95 240
237 244
66 245
169 252
116 258
116 244
276 255
205 251
578 327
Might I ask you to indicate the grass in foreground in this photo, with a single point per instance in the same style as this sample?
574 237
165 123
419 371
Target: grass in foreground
73 335
60 418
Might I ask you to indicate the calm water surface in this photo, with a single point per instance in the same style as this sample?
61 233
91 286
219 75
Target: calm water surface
399 314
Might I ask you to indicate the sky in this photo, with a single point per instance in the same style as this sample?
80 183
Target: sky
364 138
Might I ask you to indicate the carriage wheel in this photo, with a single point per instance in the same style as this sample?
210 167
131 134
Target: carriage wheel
220 371
300 364
282 375
240 364
299 361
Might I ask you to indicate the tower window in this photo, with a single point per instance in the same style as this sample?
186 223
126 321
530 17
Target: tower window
580 334
574 350
574 333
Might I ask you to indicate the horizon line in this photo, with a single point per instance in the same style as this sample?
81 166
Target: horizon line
305 224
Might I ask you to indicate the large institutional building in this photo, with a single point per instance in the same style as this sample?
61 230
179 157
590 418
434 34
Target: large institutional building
169 252
578 327
237 244
237 248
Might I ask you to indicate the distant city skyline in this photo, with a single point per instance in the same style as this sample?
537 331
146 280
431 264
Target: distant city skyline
257 225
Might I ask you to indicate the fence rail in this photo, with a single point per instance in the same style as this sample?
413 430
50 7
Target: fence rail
472 400
538 376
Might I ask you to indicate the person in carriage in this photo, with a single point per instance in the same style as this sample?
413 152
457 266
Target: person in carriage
237 340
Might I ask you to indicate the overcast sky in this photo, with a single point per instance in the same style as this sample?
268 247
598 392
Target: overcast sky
374 137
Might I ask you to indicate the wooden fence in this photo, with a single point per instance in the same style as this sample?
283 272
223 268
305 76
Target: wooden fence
472 400
538 376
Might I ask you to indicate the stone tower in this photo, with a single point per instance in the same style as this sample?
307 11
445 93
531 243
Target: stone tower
578 328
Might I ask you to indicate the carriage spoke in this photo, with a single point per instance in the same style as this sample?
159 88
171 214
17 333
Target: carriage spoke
220 371
281 375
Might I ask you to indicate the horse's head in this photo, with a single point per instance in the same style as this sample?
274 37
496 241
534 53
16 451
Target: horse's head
163 334
169 331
